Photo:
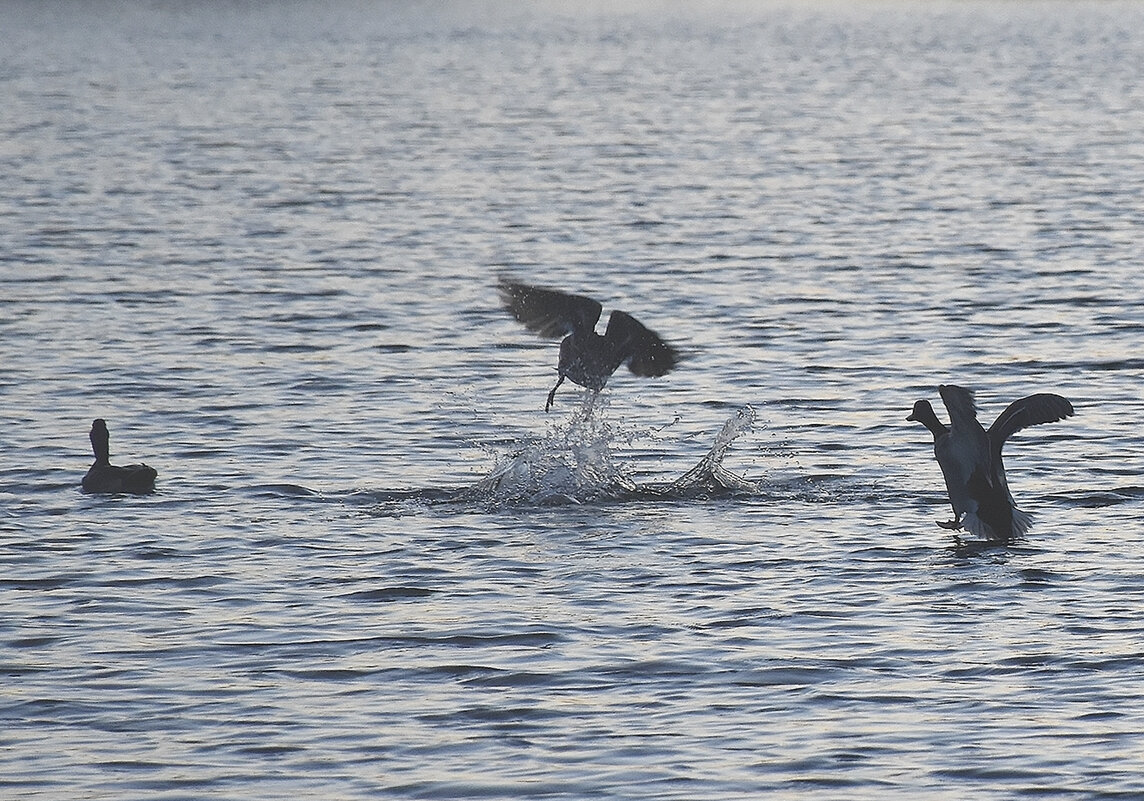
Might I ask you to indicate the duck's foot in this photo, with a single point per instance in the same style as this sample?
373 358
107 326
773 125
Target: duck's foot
552 394
952 525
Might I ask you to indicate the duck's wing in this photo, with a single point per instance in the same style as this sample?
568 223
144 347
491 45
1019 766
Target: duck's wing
549 312
1034 410
139 478
960 404
643 349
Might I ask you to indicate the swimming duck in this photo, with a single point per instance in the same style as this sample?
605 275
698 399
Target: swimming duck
970 457
587 358
103 476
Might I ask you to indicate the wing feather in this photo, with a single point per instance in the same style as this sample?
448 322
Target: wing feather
1033 410
643 349
548 312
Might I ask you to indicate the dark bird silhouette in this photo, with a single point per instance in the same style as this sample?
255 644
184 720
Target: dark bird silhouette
103 476
587 358
970 457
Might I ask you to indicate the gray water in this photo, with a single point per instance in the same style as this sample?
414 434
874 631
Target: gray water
262 240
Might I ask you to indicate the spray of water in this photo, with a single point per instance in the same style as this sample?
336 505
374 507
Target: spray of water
709 476
574 463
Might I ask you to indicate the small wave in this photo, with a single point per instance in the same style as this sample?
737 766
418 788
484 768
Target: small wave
385 594
282 491
1096 499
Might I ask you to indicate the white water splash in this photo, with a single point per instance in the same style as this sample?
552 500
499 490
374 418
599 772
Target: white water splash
710 475
574 463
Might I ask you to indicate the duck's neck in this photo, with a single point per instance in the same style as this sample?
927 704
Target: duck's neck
935 426
924 414
99 446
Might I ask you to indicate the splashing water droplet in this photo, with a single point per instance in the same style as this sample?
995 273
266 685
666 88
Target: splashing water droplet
573 463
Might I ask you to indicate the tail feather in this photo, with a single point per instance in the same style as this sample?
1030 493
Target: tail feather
1021 522
979 528
976 526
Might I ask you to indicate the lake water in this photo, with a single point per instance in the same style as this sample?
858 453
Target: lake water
263 240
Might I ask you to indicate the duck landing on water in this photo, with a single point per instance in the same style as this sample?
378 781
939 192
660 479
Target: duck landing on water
587 358
106 477
970 458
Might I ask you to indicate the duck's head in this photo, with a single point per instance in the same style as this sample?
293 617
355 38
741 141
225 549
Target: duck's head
922 411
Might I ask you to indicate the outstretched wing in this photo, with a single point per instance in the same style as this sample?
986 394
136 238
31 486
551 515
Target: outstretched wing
548 312
1034 410
960 403
643 349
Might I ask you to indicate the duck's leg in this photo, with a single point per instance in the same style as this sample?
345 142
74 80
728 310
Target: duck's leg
955 523
552 394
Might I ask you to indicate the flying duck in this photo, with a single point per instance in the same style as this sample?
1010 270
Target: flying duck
970 457
587 358
103 476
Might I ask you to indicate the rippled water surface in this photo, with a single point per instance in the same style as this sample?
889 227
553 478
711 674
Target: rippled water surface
263 241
